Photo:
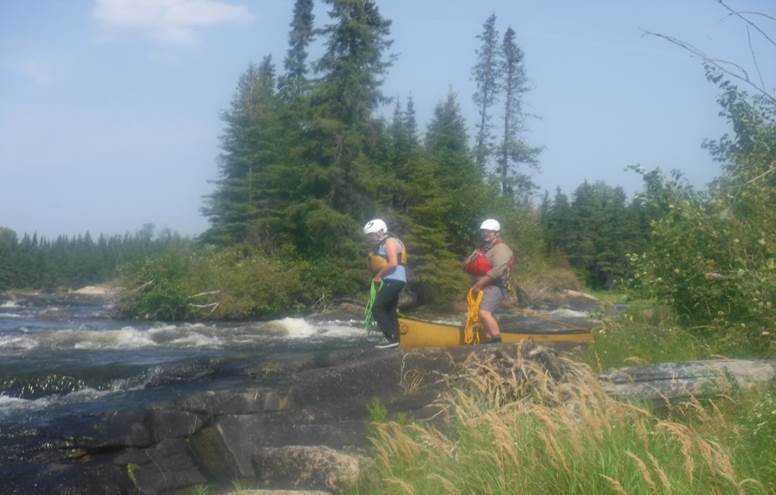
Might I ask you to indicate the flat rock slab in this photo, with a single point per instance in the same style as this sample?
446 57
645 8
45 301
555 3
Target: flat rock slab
672 382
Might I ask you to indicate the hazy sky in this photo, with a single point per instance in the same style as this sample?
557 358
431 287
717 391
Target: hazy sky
109 109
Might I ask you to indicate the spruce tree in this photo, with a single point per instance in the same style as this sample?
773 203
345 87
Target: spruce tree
514 151
354 62
293 84
445 195
333 173
249 146
485 74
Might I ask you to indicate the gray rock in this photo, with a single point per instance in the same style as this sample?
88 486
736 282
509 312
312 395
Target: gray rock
171 467
119 429
671 382
308 467
219 402
166 423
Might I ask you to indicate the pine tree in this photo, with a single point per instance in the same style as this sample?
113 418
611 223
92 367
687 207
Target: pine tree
445 195
354 62
294 82
249 148
333 175
514 151
411 123
485 74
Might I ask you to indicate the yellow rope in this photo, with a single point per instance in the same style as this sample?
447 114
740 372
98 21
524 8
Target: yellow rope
470 335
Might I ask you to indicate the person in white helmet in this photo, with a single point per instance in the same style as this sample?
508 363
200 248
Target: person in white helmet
387 262
491 265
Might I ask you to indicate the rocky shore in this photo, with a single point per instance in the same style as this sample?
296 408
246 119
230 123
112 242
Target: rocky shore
298 422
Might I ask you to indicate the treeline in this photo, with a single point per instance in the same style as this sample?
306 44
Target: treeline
598 227
72 261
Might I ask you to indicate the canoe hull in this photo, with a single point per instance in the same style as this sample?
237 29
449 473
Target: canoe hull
419 333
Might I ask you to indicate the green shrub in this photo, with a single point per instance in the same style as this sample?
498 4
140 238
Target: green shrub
234 283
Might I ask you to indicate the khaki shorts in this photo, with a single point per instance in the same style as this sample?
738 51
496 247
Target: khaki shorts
492 297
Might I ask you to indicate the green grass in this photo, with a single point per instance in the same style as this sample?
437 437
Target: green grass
610 296
647 333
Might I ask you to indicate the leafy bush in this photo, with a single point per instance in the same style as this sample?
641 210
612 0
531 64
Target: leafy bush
233 283
712 256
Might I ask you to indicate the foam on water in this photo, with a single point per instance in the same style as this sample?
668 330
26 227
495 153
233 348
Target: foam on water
125 338
10 405
17 343
293 328
341 329
568 313
197 340
9 304
176 336
11 315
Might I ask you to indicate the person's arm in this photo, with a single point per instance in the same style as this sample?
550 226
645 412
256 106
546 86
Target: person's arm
500 255
393 260
481 283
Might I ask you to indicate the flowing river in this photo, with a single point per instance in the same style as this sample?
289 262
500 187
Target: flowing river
71 359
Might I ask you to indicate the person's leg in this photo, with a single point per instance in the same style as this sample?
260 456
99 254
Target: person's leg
492 297
384 309
490 324
393 313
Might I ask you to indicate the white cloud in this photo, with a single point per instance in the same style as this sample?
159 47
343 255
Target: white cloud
169 22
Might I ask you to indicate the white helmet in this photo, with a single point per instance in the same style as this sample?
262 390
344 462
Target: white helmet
375 226
491 224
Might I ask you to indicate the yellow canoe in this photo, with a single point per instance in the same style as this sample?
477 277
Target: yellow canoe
419 333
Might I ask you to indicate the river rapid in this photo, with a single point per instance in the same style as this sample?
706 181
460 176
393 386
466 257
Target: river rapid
71 359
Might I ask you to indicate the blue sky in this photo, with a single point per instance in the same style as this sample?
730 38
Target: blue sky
109 109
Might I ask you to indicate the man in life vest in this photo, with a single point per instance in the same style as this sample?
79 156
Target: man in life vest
491 265
388 263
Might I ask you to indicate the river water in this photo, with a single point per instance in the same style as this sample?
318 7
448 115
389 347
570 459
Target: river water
71 359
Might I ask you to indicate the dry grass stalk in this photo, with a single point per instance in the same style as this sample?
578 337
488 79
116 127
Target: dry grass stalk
660 474
643 469
403 485
724 465
681 434
448 485
615 485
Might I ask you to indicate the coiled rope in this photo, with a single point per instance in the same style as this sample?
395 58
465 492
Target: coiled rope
470 333
369 321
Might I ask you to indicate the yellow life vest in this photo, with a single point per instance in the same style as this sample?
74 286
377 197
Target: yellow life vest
377 262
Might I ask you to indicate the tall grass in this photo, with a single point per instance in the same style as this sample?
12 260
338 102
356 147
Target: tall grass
511 428
646 334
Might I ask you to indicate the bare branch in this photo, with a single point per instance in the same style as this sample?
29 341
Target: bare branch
207 293
211 306
721 65
738 14
767 172
754 12
141 287
754 57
